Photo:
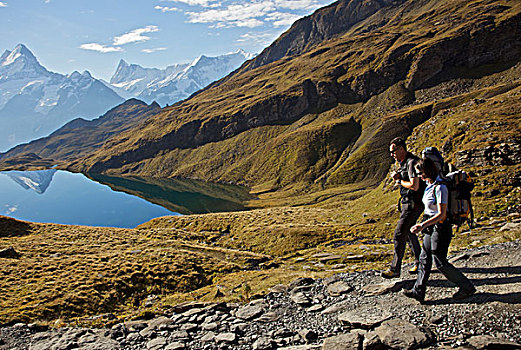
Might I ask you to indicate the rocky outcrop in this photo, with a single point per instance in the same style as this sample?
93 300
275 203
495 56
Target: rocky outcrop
484 42
500 155
351 52
353 320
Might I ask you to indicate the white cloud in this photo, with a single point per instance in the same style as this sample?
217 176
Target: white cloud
257 38
249 13
135 35
3 4
282 18
203 3
100 48
10 209
297 4
166 9
153 50
241 15
250 23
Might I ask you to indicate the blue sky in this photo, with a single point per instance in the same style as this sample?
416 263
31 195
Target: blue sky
93 35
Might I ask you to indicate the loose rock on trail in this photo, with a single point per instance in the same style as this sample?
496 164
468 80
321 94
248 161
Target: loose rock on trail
347 311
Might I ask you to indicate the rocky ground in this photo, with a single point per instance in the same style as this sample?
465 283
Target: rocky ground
357 310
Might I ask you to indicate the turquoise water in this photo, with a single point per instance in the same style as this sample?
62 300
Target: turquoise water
61 197
67 198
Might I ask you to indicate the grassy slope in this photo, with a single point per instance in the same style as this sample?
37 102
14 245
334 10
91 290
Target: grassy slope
69 271
190 257
310 120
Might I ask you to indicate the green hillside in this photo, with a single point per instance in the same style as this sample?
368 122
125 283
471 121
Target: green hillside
305 128
322 115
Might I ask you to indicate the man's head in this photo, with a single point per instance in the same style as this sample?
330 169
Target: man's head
398 149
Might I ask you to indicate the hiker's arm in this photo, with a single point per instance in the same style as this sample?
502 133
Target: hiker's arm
442 214
413 184
414 178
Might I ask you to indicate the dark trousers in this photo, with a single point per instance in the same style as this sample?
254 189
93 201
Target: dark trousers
436 243
402 235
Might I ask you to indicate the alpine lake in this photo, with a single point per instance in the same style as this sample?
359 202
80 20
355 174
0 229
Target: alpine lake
56 196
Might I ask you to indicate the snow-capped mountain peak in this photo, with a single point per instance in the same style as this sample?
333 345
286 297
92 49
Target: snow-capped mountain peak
120 71
4 55
74 75
176 82
35 102
199 60
247 55
122 63
19 53
20 62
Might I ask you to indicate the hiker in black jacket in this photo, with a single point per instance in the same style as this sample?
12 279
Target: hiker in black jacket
411 191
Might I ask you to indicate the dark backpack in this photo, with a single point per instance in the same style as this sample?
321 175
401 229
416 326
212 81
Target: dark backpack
459 206
459 185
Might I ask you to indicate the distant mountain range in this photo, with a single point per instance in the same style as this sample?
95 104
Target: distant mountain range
80 137
312 115
174 83
34 102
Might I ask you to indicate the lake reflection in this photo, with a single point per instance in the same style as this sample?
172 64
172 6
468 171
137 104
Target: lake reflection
180 195
98 200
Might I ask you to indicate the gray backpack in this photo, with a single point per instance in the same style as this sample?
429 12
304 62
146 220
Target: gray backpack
433 154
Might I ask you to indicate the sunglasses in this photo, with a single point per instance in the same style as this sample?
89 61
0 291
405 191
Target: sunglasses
393 151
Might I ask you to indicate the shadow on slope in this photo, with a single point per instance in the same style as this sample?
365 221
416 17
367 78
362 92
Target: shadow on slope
11 227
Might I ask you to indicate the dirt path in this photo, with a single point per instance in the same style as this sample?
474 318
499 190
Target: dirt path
313 314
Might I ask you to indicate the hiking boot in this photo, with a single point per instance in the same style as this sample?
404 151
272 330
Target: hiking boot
390 274
414 270
412 293
464 293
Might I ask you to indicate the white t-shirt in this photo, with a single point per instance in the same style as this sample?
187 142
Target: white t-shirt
434 194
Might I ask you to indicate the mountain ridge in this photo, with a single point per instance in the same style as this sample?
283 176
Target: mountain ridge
393 51
36 101
79 136
176 82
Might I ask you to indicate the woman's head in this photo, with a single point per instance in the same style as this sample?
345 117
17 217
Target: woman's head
427 168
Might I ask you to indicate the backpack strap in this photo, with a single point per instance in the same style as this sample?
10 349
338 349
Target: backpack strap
447 213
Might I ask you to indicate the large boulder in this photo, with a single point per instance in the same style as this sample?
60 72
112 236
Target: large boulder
400 334
364 317
347 341
488 342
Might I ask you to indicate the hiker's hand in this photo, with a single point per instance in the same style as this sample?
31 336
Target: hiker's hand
416 228
396 176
